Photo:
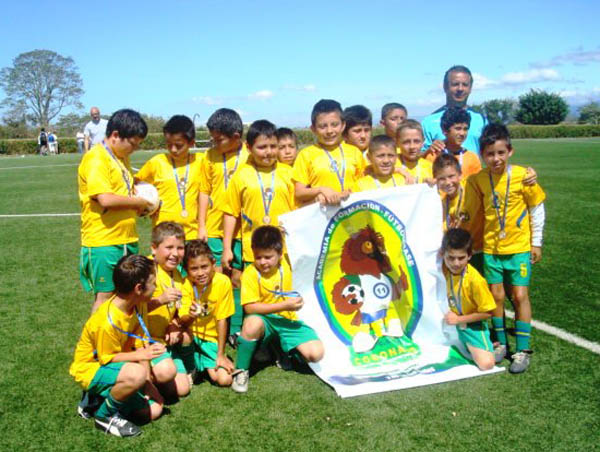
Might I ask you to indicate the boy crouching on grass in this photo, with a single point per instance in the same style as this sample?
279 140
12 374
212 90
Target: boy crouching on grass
270 306
105 363
469 298
206 310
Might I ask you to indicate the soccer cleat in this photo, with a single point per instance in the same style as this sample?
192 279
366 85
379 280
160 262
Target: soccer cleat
520 362
240 381
88 405
499 352
232 340
117 426
82 413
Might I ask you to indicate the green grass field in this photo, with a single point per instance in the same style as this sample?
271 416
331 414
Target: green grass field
554 406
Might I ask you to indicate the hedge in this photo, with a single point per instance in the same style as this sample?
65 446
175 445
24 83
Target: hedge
305 137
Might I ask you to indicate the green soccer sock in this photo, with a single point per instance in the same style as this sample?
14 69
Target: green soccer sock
109 407
186 352
523 333
238 315
245 351
498 325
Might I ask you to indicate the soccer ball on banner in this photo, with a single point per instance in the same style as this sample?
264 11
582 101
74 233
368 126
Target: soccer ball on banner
149 193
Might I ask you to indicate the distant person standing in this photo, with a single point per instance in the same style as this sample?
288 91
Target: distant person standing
43 142
80 137
52 143
95 130
458 83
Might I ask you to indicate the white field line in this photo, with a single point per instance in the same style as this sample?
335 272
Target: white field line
39 166
561 334
27 215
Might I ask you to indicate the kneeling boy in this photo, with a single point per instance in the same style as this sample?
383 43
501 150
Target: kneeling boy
270 307
104 363
469 298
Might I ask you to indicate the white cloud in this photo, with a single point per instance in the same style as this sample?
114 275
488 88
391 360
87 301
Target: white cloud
263 94
482 82
308 88
579 97
578 57
434 101
531 76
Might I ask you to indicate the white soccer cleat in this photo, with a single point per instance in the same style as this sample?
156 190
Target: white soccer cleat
363 342
394 328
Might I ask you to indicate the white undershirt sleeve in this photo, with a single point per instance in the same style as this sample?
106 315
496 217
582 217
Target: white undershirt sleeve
537 218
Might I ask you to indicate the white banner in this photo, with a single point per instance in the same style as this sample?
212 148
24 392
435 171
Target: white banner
371 279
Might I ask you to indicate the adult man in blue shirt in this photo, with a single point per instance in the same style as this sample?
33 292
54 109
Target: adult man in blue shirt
458 82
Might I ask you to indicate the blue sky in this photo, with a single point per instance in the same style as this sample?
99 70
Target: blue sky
275 59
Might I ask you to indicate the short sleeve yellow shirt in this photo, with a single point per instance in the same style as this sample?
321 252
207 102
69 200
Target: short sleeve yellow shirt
422 170
369 182
259 289
158 171
217 303
100 173
245 199
478 195
101 340
475 295
316 167
216 172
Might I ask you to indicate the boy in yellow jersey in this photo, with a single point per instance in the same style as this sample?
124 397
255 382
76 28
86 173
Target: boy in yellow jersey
259 193
469 298
451 186
512 236
359 125
105 363
287 143
392 116
325 172
206 311
109 206
176 176
218 167
409 138
270 306
167 242
382 155
455 124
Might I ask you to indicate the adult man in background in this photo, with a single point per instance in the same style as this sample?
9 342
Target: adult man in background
95 130
458 83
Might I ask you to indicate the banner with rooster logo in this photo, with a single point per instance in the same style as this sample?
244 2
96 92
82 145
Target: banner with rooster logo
370 275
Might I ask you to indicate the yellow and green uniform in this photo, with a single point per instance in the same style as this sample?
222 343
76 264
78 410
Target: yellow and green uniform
100 341
478 195
216 301
470 295
315 167
370 182
421 170
160 318
246 199
283 324
216 172
257 288
159 171
100 173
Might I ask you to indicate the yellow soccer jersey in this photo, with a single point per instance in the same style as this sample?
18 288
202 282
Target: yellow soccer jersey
475 295
216 172
478 195
99 173
245 199
216 302
100 340
369 182
316 167
421 170
159 318
158 171
256 288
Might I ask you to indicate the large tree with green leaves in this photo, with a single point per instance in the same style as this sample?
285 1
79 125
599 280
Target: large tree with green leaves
41 82
500 111
590 113
540 107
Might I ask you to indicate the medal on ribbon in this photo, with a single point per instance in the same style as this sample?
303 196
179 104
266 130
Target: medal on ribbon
267 195
181 185
496 202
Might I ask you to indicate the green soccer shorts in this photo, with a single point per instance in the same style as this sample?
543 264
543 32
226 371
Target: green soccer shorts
96 265
514 269
216 247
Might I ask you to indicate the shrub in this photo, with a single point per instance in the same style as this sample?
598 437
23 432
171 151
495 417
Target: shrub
540 107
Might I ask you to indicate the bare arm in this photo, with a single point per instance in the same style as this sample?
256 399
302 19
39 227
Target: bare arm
202 210
453 319
289 304
229 223
113 201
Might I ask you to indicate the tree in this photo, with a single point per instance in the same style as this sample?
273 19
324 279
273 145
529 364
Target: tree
540 107
42 82
500 111
590 113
